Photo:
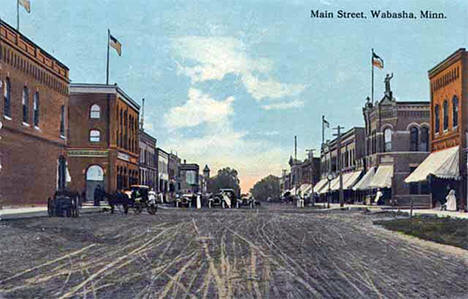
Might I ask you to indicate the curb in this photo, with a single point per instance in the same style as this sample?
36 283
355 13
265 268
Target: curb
37 214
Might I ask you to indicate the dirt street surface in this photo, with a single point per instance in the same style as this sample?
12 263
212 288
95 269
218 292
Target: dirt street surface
275 252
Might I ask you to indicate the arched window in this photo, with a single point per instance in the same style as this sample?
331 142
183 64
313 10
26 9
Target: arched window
6 97
445 115
95 111
455 111
25 104
424 144
414 137
36 109
388 140
94 136
437 118
95 173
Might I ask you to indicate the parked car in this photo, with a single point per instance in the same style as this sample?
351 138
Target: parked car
246 200
184 200
226 198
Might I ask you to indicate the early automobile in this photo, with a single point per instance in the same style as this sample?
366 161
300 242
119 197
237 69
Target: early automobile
226 198
184 200
246 200
64 203
141 200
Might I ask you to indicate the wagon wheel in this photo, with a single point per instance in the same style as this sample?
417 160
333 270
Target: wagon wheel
50 207
138 208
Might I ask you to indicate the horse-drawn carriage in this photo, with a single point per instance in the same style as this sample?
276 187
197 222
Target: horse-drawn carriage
64 203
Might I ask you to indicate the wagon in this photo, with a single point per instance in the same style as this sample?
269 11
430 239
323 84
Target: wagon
64 203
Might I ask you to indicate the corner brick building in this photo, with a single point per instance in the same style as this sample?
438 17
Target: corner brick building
33 111
103 143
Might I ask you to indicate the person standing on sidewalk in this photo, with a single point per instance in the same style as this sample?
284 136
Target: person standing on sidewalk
97 196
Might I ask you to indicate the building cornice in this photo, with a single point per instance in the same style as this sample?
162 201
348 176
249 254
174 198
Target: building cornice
103 89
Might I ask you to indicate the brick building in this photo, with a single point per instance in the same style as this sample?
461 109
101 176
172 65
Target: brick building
33 112
397 141
445 168
351 155
103 142
148 165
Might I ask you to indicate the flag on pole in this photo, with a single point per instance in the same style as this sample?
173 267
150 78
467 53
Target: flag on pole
377 61
114 43
26 4
326 124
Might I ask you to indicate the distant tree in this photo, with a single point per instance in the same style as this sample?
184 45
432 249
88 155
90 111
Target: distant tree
266 187
225 179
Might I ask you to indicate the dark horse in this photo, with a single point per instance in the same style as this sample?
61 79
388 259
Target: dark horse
118 198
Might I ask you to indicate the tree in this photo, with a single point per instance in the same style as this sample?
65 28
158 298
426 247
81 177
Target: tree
225 179
266 187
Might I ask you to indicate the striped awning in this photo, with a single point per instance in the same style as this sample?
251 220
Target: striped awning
382 178
363 183
320 184
442 164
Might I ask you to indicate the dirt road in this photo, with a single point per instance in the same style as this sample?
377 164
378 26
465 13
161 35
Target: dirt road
275 252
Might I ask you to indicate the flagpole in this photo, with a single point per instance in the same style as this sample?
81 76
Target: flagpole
17 15
107 70
372 71
323 130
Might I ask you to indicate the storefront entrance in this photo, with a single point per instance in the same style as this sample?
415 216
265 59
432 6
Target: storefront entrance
94 177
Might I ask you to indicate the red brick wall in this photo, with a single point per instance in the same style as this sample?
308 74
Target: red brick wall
29 155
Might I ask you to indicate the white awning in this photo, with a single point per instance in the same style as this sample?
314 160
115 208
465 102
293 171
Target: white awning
383 177
351 179
303 188
307 188
363 183
320 184
442 164
335 184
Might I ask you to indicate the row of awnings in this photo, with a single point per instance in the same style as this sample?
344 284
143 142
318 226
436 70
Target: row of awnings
372 179
442 164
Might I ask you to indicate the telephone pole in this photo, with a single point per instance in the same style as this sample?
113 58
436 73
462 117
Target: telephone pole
339 162
310 155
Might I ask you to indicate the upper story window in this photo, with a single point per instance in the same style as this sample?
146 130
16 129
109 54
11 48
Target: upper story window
25 104
437 118
7 98
424 144
445 115
62 121
95 112
388 140
414 139
36 109
94 136
455 111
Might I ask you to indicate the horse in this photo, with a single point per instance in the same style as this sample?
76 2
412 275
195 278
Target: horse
118 198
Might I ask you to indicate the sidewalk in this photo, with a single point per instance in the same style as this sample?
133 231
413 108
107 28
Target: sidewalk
30 212
433 212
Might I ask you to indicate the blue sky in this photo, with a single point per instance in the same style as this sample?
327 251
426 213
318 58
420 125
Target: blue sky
229 83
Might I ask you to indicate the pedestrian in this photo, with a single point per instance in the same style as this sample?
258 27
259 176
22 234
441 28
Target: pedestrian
451 203
97 195
378 196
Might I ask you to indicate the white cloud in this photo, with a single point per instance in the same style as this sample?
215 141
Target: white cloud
199 108
211 58
284 105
